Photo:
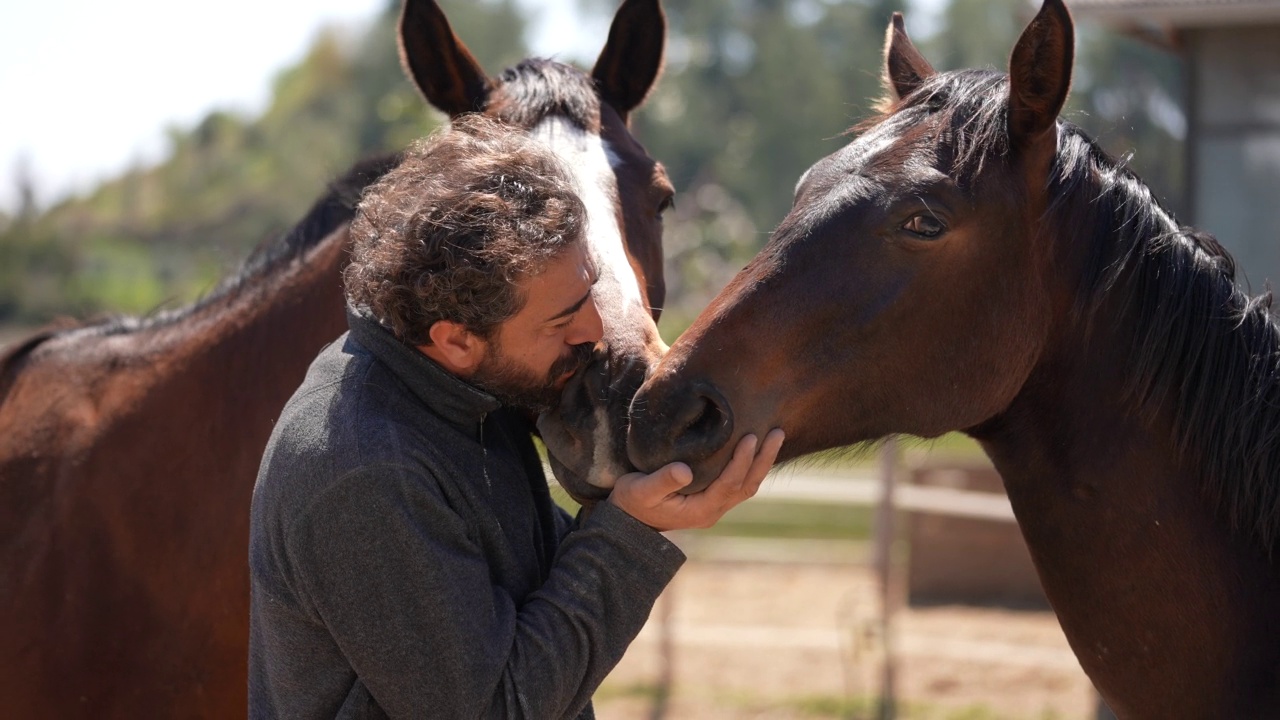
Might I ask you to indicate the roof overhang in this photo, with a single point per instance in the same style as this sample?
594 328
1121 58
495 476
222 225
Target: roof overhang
1177 14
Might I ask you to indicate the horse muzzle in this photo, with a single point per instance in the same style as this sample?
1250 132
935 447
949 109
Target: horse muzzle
586 433
673 419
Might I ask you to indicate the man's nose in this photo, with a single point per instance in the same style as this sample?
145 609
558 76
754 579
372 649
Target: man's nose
588 328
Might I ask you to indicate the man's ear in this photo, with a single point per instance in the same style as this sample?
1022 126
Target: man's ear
456 348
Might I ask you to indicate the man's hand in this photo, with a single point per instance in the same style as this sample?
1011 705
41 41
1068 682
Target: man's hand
653 499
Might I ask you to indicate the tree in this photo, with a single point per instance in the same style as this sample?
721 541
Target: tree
754 92
166 233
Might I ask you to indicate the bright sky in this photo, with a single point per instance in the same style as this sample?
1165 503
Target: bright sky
88 86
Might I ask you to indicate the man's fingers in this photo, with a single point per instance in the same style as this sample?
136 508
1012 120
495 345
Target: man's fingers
664 481
764 460
740 463
769 450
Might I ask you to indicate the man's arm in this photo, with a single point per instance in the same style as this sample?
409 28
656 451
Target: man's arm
393 574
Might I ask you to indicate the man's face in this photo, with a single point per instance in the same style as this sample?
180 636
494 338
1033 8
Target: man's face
531 356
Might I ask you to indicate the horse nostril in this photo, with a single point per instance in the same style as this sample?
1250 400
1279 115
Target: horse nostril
672 419
703 426
706 422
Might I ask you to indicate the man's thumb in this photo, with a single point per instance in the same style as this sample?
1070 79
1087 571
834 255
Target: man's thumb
673 477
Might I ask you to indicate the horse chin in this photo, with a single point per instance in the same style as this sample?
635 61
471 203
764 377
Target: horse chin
581 488
706 470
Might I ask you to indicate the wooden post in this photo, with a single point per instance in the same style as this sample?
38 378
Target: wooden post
666 653
884 534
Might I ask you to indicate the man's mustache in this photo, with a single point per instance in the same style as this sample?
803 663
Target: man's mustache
576 360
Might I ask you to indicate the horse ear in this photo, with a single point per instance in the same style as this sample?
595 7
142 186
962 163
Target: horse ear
1040 73
445 72
905 69
632 57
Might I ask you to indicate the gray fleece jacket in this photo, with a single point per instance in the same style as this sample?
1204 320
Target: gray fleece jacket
407 560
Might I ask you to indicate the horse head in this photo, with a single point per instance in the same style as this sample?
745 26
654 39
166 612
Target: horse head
904 292
582 118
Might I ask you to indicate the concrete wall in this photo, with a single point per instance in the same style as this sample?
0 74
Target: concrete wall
1234 129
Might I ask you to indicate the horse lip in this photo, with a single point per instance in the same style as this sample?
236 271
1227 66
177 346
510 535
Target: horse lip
579 489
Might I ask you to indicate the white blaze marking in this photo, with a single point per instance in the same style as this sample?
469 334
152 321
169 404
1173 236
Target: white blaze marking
587 157
604 471
591 162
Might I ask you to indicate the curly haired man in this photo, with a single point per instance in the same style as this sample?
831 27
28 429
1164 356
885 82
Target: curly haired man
406 557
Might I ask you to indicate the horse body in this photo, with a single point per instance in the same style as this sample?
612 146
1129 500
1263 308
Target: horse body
127 459
971 263
128 449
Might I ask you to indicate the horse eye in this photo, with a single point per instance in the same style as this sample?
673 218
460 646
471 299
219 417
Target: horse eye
667 203
924 225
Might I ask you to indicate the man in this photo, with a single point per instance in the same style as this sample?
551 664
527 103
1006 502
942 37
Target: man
406 558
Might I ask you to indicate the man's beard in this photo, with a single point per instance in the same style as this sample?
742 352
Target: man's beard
519 387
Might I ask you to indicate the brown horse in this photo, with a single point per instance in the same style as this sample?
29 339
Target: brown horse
969 262
128 449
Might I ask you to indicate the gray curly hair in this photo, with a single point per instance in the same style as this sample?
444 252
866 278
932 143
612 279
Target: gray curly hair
450 233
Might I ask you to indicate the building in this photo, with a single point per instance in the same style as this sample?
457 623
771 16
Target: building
1231 49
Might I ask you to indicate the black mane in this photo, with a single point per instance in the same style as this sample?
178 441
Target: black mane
335 207
1205 349
537 88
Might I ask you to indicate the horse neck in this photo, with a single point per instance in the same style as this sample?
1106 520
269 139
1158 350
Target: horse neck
1162 605
259 339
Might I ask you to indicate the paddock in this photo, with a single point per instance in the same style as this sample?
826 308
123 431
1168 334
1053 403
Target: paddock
780 628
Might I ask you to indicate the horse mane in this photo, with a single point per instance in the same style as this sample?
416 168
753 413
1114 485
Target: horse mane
335 207
532 90
12 356
1203 348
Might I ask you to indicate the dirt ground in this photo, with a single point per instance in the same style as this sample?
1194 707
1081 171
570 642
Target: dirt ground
767 629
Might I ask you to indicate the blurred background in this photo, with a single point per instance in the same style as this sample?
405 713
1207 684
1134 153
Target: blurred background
145 150
147 147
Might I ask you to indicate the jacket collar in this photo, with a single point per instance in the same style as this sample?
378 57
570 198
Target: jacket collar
456 401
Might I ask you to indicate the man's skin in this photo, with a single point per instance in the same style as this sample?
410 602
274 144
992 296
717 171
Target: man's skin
559 313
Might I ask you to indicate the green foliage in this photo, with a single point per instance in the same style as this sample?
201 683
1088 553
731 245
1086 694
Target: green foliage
766 518
163 235
753 93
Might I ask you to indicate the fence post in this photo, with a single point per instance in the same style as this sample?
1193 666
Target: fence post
666 653
884 534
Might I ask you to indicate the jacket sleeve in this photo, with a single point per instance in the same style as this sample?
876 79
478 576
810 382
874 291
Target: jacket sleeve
390 570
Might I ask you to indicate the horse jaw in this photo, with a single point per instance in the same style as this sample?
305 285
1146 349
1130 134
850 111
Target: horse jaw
586 434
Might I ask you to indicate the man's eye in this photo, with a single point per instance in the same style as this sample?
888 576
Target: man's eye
924 225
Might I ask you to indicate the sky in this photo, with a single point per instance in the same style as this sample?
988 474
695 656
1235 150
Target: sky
84 96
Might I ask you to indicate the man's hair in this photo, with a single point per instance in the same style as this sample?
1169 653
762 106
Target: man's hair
469 212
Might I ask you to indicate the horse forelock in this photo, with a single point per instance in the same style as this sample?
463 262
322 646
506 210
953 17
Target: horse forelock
538 88
1203 348
967 111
